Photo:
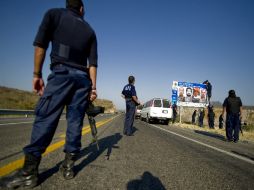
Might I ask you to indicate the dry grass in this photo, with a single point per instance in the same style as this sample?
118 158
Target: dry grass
247 135
17 99
248 118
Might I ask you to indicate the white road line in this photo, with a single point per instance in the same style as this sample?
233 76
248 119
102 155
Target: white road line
206 145
20 123
15 123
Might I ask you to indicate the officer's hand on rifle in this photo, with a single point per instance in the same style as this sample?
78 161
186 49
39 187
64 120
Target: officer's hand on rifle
93 95
38 85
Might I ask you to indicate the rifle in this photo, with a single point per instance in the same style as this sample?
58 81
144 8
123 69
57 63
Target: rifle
92 112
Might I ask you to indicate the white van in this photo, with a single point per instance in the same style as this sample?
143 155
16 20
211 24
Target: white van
157 109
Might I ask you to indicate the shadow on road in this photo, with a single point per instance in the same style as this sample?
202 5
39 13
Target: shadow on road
8 156
134 129
106 143
147 182
217 136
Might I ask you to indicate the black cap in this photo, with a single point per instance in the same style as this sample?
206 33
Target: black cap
75 4
231 92
131 79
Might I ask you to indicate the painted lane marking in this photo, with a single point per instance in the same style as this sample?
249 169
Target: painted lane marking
21 122
207 145
12 166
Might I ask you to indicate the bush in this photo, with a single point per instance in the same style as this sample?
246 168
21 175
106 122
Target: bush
248 127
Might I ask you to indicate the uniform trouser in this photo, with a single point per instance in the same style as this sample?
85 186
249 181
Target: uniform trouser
232 126
220 125
129 117
193 120
211 122
65 87
201 121
174 117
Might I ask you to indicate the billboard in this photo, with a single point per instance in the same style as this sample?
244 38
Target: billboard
189 94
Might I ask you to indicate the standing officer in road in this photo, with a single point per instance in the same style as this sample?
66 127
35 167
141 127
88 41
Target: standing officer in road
130 95
233 106
72 83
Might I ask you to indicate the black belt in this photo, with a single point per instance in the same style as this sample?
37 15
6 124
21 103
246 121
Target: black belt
70 69
69 65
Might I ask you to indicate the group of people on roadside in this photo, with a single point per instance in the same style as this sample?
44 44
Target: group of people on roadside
232 109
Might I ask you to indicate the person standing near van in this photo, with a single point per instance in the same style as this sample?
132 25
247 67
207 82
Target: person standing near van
131 99
233 107
174 107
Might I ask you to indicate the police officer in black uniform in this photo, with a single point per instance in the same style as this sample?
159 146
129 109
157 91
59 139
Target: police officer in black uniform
193 118
201 117
72 83
209 90
130 95
211 116
233 107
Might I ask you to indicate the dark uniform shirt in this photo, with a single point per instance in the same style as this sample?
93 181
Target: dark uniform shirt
129 91
232 105
73 40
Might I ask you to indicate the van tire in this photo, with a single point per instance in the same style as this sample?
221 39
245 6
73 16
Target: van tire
166 122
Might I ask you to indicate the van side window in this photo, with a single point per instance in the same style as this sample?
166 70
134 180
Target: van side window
157 103
150 104
166 103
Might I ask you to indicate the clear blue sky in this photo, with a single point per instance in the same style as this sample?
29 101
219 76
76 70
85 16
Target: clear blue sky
157 41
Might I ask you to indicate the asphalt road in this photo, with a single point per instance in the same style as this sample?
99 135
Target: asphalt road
157 157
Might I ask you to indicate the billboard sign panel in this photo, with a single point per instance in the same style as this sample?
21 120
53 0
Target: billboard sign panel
189 94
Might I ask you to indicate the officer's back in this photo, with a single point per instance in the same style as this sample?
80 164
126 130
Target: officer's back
128 91
234 104
71 38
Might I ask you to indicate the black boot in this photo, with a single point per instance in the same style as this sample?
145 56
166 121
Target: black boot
67 166
27 176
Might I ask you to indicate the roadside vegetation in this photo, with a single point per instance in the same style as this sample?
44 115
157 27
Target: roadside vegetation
11 98
247 122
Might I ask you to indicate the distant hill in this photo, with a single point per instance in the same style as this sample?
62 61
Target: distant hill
11 98
218 104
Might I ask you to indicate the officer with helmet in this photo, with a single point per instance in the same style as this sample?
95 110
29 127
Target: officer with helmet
233 107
